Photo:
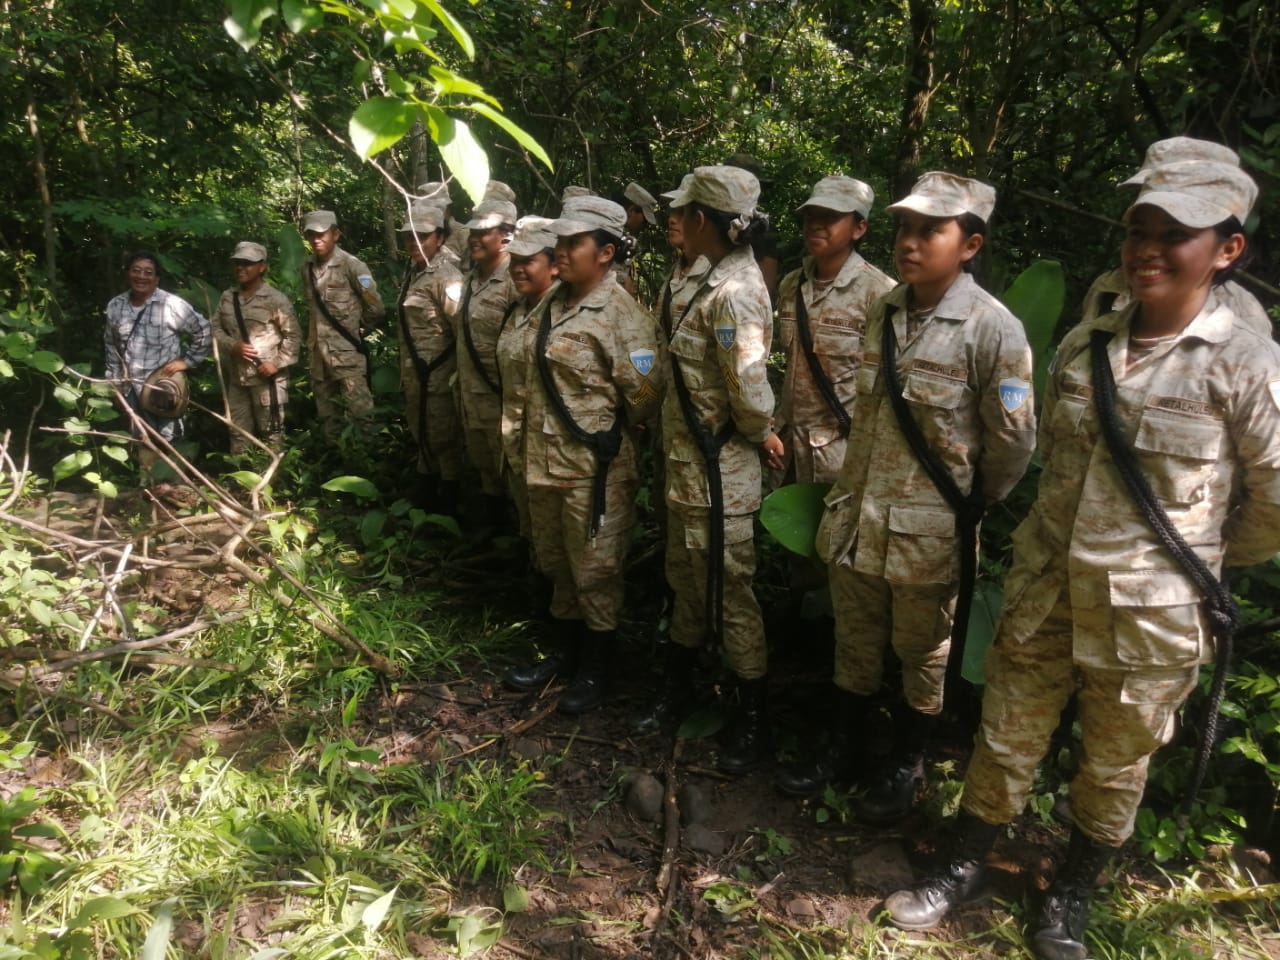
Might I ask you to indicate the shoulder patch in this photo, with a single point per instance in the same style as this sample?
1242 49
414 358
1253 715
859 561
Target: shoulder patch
453 291
1013 393
642 360
726 333
1274 386
366 281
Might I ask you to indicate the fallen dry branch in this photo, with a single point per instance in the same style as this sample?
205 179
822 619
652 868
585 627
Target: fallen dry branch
668 876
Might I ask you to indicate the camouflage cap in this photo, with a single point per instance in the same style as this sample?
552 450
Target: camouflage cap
939 194
249 251
1178 150
841 194
493 213
724 188
684 184
497 190
425 216
318 221
643 199
574 190
533 235
437 191
585 214
1199 193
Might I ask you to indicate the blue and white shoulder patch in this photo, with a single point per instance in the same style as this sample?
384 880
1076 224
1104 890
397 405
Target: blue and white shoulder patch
366 281
726 333
642 360
1013 393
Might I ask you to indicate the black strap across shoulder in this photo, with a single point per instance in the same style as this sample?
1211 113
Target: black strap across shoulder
968 509
820 378
606 444
357 343
273 423
464 311
709 445
1220 605
422 368
665 311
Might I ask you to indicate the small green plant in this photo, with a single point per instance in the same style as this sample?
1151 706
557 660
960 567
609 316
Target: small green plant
27 864
729 899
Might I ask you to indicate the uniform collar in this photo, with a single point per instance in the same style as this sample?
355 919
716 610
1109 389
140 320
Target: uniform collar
598 298
735 261
1213 324
848 271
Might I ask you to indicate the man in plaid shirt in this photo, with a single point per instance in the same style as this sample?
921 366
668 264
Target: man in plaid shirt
146 330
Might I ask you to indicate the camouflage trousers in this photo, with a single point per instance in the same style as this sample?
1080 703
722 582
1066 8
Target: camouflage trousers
872 613
686 565
482 434
519 491
586 572
440 446
1125 715
342 393
250 410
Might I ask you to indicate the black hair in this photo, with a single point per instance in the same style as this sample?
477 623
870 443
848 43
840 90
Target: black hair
624 245
722 220
143 255
1225 231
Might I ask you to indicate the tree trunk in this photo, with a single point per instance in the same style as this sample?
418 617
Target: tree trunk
916 93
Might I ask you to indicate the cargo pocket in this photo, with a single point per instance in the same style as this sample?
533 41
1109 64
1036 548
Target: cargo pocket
1164 686
690 351
921 546
1187 449
838 528
1156 618
934 391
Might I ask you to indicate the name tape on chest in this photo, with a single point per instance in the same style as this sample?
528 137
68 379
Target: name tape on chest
1014 392
642 360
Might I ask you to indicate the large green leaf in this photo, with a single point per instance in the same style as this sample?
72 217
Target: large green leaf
244 25
1036 298
358 486
380 122
792 514
517 133
464 157
983 617
157 942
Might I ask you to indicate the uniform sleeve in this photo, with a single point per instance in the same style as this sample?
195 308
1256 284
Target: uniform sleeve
371 306
1006 409
1252 530
286 321
194 324
226 332
743 330
640 364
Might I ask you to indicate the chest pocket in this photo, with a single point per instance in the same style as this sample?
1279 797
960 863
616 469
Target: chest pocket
839 348
933 391
690 351
867 374
578 368
1068 413
787 332
1179 454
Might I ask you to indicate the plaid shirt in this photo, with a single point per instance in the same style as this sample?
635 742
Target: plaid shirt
140 341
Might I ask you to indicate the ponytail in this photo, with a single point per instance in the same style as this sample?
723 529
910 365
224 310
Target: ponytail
624 245
737 229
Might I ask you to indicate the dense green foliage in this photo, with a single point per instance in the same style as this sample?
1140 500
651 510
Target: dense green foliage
173 126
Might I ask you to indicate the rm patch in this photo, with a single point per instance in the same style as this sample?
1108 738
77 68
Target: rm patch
642 360
366 281
1013 393
726 334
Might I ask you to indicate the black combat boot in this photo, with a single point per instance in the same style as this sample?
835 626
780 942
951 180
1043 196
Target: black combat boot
590 684
837 758
677 694
892 793
746 744
561 646
961 880
1064 913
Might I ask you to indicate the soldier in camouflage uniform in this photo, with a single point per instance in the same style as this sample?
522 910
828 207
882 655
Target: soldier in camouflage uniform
717 421
343 304
533 272
889 535
256 330
1095 604
455 247
428 356
487 293
1110 291
822 315
596 365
